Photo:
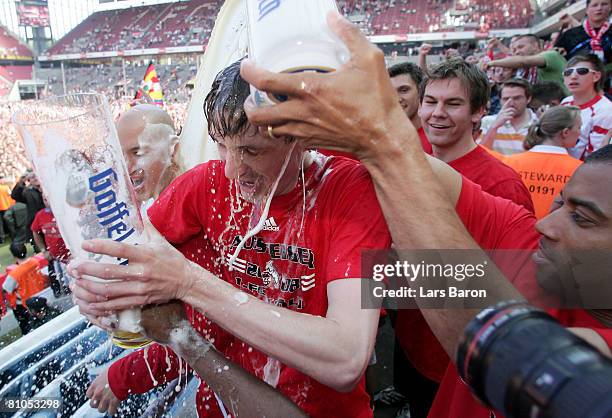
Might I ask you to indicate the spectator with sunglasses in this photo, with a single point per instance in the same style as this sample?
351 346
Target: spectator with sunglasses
584 77
594 35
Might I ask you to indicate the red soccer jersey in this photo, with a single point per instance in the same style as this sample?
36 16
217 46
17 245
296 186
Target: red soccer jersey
422 137
44 223
425 141
485 218
284 267
493 176
495 224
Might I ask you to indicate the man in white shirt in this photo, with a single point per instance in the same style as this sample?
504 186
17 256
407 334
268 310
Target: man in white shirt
584 78
505 132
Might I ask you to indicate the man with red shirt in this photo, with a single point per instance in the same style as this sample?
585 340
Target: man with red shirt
406 79
286 292
454 99
47 237
412 189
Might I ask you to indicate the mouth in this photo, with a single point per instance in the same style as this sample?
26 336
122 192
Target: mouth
573 85
541 256
138 179
438 126
247 187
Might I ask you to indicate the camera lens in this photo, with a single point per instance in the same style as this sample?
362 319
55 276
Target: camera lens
519 360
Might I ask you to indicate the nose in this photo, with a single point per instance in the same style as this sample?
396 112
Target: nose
549 226
234 167
439 111
131 163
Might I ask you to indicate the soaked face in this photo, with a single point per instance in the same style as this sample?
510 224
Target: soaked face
579 227
514 98
149 150
254 161
598 11
446 114
581 78
408 94
525 46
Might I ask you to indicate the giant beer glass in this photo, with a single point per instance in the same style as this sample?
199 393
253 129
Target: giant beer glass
73 146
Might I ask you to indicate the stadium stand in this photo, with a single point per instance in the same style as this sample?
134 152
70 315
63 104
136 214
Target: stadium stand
11 47
156 26
12 54
417 16
190 22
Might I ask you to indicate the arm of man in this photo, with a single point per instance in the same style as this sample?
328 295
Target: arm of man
248 395
519 62
423 52
131 374
601 132
490 128
334 349
409 187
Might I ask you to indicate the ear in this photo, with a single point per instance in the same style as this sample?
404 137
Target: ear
564 133
478 114
596 76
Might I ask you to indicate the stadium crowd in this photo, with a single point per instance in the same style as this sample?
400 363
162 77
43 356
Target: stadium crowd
190 22
514 123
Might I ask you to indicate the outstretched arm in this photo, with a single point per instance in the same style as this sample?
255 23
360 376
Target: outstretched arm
241 392
519 62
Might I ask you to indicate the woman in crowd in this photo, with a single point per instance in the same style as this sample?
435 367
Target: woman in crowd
547 165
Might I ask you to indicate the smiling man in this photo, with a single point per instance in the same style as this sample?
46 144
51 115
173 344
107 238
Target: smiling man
454 100
406 79
151 149
289 293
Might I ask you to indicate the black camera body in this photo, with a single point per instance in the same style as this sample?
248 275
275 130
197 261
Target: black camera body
519 360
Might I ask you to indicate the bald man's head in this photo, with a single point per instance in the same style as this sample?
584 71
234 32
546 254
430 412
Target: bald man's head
150 145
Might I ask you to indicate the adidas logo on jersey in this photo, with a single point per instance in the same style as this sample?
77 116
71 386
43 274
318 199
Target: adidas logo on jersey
270 225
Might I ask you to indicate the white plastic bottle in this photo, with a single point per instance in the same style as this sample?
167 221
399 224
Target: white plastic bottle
292 36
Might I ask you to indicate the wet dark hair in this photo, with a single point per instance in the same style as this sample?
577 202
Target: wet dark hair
473 79
18 249
595 63
602 155
224 104
414 71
